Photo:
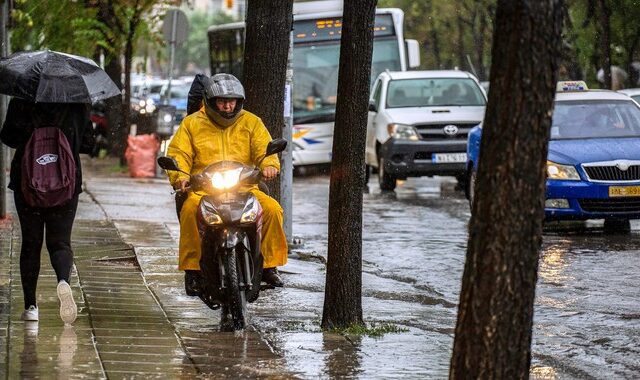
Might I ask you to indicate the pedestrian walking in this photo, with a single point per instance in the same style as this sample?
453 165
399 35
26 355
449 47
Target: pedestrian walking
46 179
48 124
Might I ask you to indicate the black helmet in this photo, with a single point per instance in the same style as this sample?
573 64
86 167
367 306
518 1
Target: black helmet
224 86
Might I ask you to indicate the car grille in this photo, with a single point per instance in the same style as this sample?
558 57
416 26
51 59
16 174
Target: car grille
626 204
612 173
437 131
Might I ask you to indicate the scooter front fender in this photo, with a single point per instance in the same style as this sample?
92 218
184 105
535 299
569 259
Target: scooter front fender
231 237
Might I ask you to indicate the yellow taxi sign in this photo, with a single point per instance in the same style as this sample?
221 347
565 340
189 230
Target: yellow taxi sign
571 85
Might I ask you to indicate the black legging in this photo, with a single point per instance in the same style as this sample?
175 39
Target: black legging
55 224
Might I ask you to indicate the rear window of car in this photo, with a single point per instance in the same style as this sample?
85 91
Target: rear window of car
434 92
584 119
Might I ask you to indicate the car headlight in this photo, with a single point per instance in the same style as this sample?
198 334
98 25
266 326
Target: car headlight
209 213
558 171
402 132
250 212
226 179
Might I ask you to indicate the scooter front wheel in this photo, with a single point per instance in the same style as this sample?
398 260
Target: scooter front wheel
236 309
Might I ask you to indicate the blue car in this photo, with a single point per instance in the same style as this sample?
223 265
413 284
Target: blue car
593 165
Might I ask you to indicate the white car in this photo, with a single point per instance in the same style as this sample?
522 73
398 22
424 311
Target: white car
418 123
634 93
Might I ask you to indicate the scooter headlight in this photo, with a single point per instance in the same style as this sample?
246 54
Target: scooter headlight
226 179
209 213
250 212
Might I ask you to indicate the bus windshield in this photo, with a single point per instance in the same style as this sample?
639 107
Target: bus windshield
316 76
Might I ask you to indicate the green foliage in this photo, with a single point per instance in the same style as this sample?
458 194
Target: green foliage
450 33
374 330
195 50
53 24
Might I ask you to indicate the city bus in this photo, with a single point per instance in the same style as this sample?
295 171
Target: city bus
316 48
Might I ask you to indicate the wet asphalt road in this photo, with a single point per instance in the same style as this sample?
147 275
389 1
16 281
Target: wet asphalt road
587 314
586 322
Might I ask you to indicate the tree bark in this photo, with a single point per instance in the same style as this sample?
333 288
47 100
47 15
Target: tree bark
268 28
605 41
343 291
493 331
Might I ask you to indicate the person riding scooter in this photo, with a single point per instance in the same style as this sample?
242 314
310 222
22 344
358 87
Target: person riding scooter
223 131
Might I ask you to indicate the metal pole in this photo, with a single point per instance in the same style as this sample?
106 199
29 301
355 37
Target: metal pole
4 49
174 26
286 186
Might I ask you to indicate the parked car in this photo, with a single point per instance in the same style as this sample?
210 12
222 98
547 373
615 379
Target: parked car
593 167
418 124
634 93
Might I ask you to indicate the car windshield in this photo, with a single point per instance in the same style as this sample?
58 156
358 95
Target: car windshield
636 98
434 92
581 119
179 90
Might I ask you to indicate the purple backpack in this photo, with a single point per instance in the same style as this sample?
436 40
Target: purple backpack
48 169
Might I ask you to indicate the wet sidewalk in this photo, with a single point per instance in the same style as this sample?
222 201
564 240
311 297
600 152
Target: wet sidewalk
136 322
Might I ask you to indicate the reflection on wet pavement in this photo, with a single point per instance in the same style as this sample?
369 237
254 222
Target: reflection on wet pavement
586 322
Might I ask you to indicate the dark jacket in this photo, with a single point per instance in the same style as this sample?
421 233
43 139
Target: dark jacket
196 93
23 116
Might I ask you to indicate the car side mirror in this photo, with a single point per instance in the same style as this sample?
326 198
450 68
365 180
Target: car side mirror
372 106
276 146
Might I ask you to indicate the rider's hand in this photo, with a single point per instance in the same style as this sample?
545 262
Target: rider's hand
182 185
269 172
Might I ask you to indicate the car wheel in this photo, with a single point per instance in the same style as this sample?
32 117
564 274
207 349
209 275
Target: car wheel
386 182
471 188
617 226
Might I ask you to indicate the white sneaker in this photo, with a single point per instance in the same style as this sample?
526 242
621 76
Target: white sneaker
30 314
68 308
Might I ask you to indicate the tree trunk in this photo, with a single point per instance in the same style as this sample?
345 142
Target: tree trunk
343 291
266 50
493 331
460 50
117 134
480 45
605 41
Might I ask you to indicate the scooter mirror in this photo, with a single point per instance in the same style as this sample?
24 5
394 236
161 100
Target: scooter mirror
168 163
276 146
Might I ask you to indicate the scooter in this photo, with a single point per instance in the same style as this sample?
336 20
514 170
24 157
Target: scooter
229 221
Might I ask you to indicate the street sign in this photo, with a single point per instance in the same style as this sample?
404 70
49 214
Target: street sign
177 17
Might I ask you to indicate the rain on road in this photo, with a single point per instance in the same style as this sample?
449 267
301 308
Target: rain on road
586 322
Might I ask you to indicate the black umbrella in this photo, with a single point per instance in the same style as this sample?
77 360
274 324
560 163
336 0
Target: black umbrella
52 77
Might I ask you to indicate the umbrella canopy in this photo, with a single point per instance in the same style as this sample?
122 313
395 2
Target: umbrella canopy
52 77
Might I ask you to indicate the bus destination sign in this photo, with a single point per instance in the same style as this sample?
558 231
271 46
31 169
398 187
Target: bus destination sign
327 29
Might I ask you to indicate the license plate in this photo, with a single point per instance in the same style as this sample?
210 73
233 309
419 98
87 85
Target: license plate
624 191
444 158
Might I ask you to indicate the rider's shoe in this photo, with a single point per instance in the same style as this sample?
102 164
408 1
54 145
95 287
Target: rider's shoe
272 277
192 282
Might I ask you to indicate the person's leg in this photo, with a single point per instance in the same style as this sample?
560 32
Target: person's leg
59 223
189 260
32 229
274 242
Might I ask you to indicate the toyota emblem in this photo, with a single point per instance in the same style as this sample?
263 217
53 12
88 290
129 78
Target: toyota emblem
450 130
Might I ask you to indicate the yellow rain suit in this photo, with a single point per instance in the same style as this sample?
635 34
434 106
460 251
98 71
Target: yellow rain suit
197 144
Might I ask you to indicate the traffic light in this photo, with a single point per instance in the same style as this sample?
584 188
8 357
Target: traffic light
229 3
